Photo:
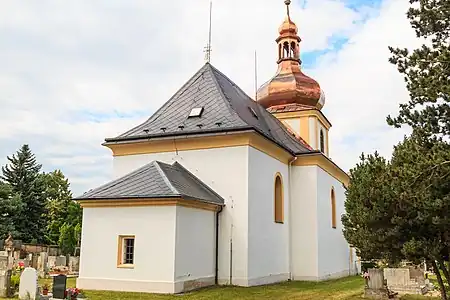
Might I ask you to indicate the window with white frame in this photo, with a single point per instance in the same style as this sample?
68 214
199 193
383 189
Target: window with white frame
126 251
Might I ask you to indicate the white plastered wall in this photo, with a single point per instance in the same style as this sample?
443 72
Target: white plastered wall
195 247
154 231
333 249
225 170
304 223
268 250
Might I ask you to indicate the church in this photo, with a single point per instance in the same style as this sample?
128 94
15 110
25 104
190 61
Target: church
217 188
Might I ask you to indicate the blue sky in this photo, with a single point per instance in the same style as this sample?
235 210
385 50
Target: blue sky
74 73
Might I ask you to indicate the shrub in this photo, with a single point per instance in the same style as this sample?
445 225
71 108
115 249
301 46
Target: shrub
15 281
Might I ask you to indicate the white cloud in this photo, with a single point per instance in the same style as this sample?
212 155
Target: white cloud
70 70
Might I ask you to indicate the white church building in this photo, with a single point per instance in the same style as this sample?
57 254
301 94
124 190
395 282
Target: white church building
217 188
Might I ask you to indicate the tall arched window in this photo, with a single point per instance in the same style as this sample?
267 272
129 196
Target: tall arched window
333 209
322 141
279 201
280 52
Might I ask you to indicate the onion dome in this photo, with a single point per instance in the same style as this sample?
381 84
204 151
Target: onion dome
290 85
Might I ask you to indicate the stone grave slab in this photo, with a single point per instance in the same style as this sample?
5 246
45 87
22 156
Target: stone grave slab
28 287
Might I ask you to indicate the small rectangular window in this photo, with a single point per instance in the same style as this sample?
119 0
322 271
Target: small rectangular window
126 251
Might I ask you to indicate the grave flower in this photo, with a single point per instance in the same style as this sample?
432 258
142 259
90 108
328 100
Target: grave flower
72 293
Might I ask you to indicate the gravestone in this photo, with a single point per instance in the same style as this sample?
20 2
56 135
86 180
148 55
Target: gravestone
51 262
5 284
61 261
74 264
59 286
28 287
3 263
376 287
42 261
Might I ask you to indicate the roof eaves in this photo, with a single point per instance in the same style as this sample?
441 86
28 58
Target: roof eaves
317 152
176 134
121 197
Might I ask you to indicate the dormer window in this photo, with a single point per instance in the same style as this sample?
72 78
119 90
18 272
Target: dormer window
196 112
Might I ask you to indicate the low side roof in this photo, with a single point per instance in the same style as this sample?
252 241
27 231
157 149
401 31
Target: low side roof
156 180
225 108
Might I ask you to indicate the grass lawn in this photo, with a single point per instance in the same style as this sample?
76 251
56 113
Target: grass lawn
342 289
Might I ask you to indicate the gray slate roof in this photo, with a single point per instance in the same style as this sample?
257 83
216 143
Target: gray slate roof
226 108
156 180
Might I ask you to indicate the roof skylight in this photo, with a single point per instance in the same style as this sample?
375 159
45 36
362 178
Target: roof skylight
196 112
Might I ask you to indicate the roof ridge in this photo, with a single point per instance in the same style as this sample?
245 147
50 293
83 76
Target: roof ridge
116 181
196 179
165 177
212 69
176 94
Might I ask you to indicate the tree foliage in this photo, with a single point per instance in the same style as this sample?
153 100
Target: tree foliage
22 174
401 209
10 208
60 206
426 69
37 207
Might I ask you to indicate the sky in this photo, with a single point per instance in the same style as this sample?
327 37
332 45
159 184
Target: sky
73 73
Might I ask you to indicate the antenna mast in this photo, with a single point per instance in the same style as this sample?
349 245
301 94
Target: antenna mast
256 77
208 48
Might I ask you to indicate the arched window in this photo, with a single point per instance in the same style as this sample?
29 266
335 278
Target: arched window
285 50
294 50
280 52
322 141
333 209
279 201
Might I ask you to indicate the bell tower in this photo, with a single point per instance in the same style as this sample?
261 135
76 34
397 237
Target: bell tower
293 97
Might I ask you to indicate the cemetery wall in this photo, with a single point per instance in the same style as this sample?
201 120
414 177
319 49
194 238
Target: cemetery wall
225 170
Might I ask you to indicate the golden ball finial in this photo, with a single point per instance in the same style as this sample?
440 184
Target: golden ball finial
287 2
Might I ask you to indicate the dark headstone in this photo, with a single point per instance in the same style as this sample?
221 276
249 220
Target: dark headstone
59 286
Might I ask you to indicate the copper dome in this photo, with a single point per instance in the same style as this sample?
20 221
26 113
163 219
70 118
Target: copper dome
290 85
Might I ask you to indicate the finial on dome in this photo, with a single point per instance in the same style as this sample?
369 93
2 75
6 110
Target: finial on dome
287 2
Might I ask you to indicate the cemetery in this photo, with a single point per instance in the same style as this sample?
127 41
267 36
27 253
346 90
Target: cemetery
21 268
44 276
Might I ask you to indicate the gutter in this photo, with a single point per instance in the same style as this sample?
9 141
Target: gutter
216 274
173 134
290 163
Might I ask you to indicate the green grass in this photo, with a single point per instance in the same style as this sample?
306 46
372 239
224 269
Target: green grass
350 288
342 289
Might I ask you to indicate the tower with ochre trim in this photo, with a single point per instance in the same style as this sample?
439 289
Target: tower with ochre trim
293 97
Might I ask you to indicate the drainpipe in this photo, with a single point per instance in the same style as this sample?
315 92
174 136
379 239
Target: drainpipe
216 279
290 216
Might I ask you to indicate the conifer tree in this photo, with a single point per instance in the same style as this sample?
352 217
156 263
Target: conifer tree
22 175
10 208
426 69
